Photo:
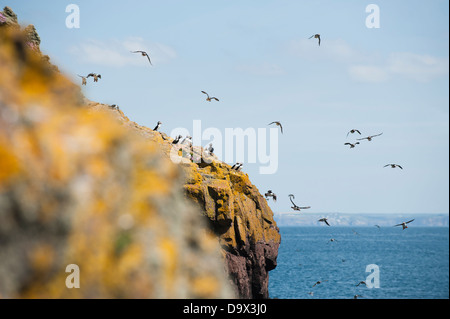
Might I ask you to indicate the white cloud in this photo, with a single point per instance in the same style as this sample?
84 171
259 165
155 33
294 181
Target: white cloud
421 68
117 53
364 73
371 67
336 50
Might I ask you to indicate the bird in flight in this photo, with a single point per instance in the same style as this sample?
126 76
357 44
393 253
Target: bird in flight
295 207
404 224
361 283
143 53
83 79
352 145
324 220
95 76
369 138
158 125
208 98
319 282
315 36
278 124
353 132
393 166
271 194
377 226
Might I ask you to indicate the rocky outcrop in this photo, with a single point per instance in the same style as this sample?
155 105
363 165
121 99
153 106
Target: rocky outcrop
234 208
82 184
79 188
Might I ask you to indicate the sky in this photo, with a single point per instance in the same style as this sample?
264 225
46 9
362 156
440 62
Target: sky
257 58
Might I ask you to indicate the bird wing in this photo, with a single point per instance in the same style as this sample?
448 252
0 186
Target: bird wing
348 144
307 207
281 127
138 52
290 197
311 36
272 123
387 165
326 222
214 98
360 139
319 40
148 58
205 93
409 221
90 74
400 166
377 135
357 131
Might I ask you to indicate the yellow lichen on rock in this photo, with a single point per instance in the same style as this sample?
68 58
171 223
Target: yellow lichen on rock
81 187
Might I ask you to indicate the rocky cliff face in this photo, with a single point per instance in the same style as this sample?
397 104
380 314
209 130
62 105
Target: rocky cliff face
82 184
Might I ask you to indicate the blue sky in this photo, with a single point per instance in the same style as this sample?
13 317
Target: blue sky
256 57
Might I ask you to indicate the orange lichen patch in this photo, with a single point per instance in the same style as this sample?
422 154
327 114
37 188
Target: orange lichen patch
9 164
42 257
169 254
205 286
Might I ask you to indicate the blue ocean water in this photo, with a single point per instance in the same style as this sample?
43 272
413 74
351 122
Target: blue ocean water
413 263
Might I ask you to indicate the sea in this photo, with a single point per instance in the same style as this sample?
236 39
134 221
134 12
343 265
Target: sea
394 263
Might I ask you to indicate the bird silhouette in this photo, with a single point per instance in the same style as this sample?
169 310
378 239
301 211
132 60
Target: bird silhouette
315 36
278 124
143 53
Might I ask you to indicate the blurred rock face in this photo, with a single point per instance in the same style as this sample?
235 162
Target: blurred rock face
77 186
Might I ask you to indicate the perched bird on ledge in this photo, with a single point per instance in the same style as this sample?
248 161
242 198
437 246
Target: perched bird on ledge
157 126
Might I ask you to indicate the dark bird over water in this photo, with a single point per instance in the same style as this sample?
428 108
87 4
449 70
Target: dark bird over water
315 36
369 138
393 166
95 76
208 98
404 224
319 282
278 124
143 53
324 220
353 132
361 283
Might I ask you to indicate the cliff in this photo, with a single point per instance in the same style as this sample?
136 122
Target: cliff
82 184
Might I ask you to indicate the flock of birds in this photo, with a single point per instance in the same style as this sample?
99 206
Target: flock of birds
238 166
